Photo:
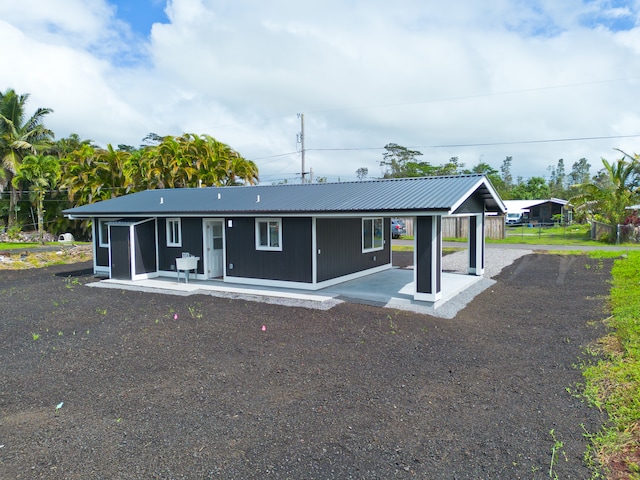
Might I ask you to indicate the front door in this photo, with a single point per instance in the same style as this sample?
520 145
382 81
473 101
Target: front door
214 262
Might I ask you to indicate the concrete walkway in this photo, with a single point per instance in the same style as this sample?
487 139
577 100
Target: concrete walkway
391 288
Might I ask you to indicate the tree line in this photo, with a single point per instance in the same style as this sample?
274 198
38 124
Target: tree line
52 175
604 196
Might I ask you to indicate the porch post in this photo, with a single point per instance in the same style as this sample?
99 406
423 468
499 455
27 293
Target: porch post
428 258
476 244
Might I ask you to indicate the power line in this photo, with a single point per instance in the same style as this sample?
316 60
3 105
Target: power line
273 156
486 144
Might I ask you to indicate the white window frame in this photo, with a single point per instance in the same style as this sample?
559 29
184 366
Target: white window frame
171 230
102 224
269 246
375 246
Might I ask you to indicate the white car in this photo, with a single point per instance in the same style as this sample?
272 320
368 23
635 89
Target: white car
513 218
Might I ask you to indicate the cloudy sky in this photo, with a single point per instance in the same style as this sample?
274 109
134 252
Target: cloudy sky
537 80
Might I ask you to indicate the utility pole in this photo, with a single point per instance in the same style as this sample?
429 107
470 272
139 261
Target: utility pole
301 142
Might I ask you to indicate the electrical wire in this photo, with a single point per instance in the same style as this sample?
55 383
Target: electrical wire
487 144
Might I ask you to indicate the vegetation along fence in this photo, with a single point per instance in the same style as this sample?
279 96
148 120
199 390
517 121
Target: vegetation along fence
602 232
628 234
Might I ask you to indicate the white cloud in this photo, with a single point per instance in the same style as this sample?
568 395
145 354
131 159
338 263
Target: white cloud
420 74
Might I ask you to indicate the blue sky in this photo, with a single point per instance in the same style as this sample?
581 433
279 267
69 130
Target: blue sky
140 14
535 80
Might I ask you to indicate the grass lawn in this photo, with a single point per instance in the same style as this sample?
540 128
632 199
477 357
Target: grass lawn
17 245
25 245
613 383
569 235
578 235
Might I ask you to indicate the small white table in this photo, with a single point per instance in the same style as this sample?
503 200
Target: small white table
186 264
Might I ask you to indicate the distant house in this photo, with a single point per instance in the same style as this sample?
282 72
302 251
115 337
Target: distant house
539 211
306 236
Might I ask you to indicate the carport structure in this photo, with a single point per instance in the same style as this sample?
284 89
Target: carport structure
307 236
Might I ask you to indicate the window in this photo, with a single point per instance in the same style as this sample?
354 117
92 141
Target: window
269 234
174 232
103 233
372 234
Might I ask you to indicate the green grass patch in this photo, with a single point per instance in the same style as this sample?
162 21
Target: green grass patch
409 248
605 253
402 248
613 383
25 245
578 235
590 253
18 245
562 235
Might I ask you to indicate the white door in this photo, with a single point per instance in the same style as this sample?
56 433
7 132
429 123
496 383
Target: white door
214 239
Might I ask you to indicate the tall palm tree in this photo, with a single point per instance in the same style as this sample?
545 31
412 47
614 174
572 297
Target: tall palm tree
243 169
73 142
91 174
163 163
77 168
110 172
19 137
213 162
42 173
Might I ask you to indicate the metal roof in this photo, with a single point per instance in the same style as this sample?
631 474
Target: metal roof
525 205
393 196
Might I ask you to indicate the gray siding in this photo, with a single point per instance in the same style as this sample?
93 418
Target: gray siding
473 204
339 241
191 243
292 264
102 254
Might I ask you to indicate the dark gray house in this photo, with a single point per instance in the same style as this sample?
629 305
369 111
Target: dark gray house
306 236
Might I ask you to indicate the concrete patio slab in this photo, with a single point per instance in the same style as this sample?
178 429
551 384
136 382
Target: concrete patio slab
391 288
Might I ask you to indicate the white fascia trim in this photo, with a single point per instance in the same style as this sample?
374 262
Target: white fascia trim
486 183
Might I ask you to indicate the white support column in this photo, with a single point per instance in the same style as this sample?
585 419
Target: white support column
476 244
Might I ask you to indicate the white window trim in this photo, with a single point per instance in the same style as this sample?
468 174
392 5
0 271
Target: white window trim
169 222
269 248
101 240
373 248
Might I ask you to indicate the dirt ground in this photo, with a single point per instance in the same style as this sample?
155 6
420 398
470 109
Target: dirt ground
106 384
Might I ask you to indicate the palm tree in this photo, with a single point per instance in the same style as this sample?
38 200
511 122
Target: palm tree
110 172
163 163
91 174
192 160
19 138
42 173
73 142
611 192
244 169
214 162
